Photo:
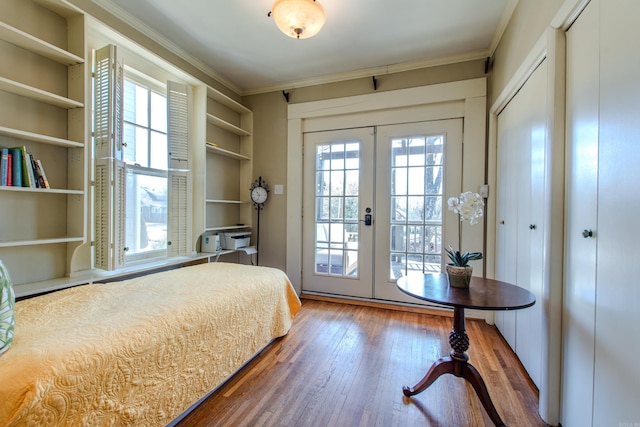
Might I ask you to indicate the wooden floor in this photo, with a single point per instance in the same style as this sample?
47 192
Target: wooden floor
345 365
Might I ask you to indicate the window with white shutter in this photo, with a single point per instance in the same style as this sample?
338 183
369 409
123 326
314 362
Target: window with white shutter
142 177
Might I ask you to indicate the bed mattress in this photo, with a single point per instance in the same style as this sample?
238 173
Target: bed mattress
140 351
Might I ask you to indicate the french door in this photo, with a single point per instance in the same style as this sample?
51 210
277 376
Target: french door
339 188
375 206
419 166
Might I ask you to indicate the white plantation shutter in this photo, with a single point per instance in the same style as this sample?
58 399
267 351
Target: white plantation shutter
102 206
109 179
178 119
180 186
108 89
119 212
179 218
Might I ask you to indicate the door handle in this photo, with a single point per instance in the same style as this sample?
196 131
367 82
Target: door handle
368 219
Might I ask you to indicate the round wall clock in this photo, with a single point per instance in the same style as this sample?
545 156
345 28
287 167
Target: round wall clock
259 193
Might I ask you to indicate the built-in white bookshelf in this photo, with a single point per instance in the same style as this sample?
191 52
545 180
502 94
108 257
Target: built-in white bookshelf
42 108
229 164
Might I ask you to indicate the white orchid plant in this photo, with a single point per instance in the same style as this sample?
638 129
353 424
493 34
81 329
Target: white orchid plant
469 206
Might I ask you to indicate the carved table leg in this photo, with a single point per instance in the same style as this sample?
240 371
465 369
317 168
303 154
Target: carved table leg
471 374
442 366
457 364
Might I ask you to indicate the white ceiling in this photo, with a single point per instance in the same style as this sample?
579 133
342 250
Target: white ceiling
243 47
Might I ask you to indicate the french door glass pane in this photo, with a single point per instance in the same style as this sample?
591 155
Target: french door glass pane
417 185
337 208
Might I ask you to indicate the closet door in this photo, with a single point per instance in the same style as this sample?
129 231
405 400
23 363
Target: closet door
507 213
617 373
581 215
531 208
520 207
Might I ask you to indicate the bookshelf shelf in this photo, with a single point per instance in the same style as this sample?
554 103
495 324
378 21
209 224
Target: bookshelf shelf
26 41
42 190
223 124
228 227
226 153
36 137
38 94
226 101
34 242
231 202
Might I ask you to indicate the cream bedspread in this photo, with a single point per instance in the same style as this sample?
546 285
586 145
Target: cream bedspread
141 351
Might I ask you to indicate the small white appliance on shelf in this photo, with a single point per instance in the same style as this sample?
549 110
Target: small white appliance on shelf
211 243
235 240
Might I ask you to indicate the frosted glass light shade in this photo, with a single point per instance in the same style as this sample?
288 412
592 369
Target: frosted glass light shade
299 19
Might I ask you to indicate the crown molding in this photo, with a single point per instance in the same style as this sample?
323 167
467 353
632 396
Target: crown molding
502 25
368 72
120 14
147 31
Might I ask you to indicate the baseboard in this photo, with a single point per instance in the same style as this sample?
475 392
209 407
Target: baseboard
435 311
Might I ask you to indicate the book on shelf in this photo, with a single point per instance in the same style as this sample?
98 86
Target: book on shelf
42 177
9 170
28 165
27 173
4 165
20 169
16 165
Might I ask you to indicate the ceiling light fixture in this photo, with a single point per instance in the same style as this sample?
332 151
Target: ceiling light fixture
299 19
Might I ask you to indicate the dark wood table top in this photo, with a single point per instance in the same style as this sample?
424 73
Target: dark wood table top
483 294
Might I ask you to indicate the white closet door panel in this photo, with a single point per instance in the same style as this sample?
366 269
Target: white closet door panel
506 228
531 153
520 205
617 375
581 214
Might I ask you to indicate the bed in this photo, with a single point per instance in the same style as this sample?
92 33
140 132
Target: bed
141 351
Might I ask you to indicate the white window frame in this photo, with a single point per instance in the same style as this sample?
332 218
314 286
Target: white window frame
108 209
140 79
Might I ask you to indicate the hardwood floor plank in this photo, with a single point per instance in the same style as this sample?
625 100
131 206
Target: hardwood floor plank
345 365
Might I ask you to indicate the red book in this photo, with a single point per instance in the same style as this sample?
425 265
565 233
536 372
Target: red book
9 169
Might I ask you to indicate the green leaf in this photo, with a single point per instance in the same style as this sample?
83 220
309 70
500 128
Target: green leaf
461 260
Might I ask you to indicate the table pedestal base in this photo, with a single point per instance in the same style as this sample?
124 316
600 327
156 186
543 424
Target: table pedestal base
448 365
458 364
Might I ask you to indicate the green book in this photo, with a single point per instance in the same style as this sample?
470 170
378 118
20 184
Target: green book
16 171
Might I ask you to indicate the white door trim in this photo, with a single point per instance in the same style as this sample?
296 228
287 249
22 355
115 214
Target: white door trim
551 45
473 109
